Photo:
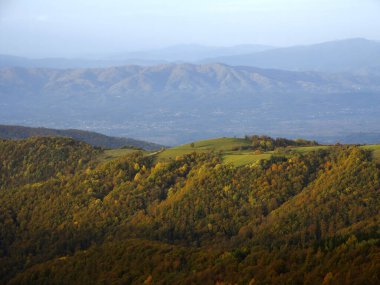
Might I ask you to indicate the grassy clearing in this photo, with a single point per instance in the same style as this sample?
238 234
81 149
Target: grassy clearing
228 147
375 150
303 149
172 153
111 154
220 144
245 158
376 155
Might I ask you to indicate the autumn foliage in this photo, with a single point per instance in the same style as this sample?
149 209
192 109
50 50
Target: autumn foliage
66 218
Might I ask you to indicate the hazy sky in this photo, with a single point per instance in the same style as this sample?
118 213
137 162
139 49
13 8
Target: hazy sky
77 27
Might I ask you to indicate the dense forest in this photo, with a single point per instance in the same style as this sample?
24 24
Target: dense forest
297 218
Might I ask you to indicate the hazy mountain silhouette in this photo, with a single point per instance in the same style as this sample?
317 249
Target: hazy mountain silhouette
93 138
180 53
336 56
215 78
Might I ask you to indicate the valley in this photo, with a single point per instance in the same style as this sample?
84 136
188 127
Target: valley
218 210
178 103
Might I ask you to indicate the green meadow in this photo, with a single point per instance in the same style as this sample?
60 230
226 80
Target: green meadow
110 154
231 150
375 151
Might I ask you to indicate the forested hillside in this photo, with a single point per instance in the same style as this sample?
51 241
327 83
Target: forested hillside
92 138
297 217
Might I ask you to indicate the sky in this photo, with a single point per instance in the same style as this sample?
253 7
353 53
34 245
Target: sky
72 28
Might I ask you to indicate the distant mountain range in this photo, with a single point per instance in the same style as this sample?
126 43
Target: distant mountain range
351 55
65 63
174 54
95 139
176 103
168 78
191 53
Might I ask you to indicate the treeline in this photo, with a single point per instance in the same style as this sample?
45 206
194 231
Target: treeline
266 143
38 159
308 218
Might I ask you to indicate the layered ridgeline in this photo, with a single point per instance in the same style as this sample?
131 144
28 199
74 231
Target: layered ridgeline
178 53
168 78
176 103
92 138
303 214
349 55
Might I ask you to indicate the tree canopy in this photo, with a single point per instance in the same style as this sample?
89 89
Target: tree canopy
299 218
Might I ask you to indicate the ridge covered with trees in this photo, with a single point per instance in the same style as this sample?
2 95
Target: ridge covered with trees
92 138
295 218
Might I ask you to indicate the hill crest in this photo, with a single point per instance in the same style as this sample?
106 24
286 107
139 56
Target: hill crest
92 138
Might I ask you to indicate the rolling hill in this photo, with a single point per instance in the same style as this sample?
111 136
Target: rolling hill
92 138
238 151
308 216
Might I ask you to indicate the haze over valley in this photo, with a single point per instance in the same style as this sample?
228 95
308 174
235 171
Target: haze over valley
331 96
